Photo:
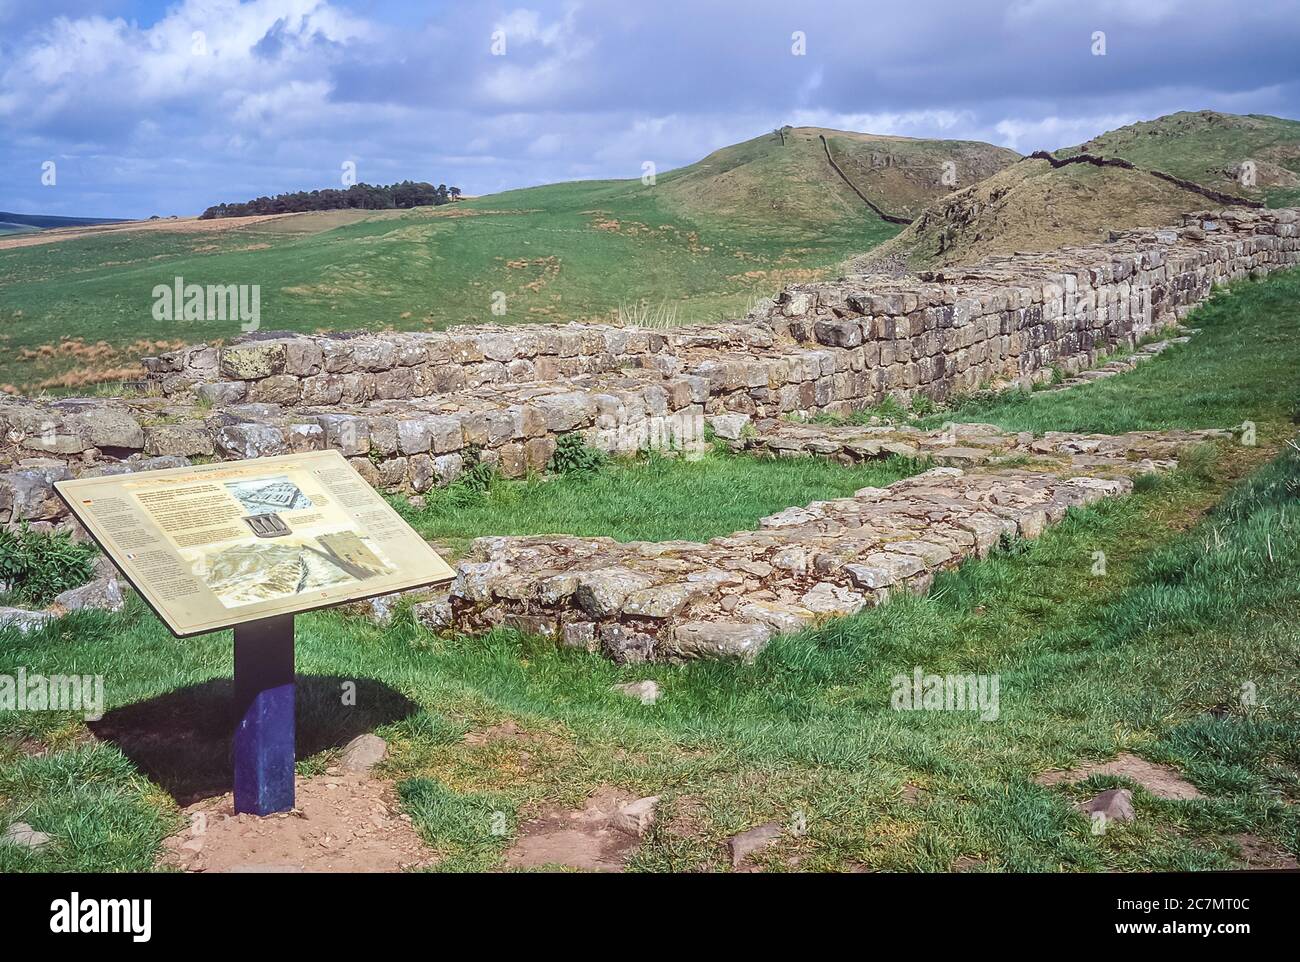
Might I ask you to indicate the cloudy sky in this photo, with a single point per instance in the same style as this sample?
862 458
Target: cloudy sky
151 107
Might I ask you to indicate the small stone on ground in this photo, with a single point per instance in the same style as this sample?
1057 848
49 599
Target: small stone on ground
647 692
23 835
755 840
363 753
1112 805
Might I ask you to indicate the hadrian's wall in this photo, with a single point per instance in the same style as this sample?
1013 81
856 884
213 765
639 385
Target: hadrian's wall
411 410
824 346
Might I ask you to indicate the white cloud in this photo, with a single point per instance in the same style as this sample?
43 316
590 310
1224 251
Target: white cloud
1049 133
199 47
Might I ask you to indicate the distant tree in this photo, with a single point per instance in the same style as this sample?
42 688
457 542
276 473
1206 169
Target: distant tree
357 197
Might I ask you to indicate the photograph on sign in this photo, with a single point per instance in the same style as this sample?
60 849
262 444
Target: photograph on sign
215 545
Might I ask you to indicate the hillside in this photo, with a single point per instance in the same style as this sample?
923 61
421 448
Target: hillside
11 223
1209 148
789 176
1033 206
700 244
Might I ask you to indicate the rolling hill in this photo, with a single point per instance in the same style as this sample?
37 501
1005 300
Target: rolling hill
701 243
787 175
1032 206
1209 148
11 223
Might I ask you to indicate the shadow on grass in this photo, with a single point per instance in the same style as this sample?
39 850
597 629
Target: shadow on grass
182 740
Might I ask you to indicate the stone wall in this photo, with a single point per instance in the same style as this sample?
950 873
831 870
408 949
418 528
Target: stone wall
412 410
677 600
831 346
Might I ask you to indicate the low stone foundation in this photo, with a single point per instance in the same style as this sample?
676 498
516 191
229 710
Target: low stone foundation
678 600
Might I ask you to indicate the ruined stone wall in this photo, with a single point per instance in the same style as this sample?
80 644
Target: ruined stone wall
413 410
1015 318
832 346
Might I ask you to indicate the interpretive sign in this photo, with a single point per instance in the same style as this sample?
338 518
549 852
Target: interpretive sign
215 545
247 544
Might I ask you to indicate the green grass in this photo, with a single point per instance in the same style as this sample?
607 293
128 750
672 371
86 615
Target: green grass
1200 145
1242 366
652 499
1196 602
704 241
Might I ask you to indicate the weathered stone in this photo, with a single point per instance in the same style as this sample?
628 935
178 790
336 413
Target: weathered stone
23 620
30 495
185 440
1112 805
448 467
636 818
720 639
346 433
659 602
109 427
24 836
306 437
303 357
277 389
749 843
603 593
104 594
251 441
646 692
223 393
829 599
626 645
363 753
728 427
434 614
252 359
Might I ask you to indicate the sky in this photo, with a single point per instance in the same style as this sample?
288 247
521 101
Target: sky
128 108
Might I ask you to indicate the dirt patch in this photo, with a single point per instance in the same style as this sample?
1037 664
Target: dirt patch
580 839
1259 853
342 823
1162 781
507 731
688 819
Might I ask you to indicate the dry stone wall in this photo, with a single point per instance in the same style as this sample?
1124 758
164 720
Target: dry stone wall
413 410
831 346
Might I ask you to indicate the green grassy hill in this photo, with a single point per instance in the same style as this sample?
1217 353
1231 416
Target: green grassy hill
787 176
1034 207
1209 147
701 243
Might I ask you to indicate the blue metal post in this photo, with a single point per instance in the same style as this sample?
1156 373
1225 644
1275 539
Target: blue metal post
264 738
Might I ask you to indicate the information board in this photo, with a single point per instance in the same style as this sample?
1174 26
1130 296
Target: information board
217 545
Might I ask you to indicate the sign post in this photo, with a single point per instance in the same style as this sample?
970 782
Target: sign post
247 545
264 733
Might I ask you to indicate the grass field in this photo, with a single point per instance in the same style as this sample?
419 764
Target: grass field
699 244
1201 585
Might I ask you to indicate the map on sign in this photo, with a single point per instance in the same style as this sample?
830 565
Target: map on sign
217 545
